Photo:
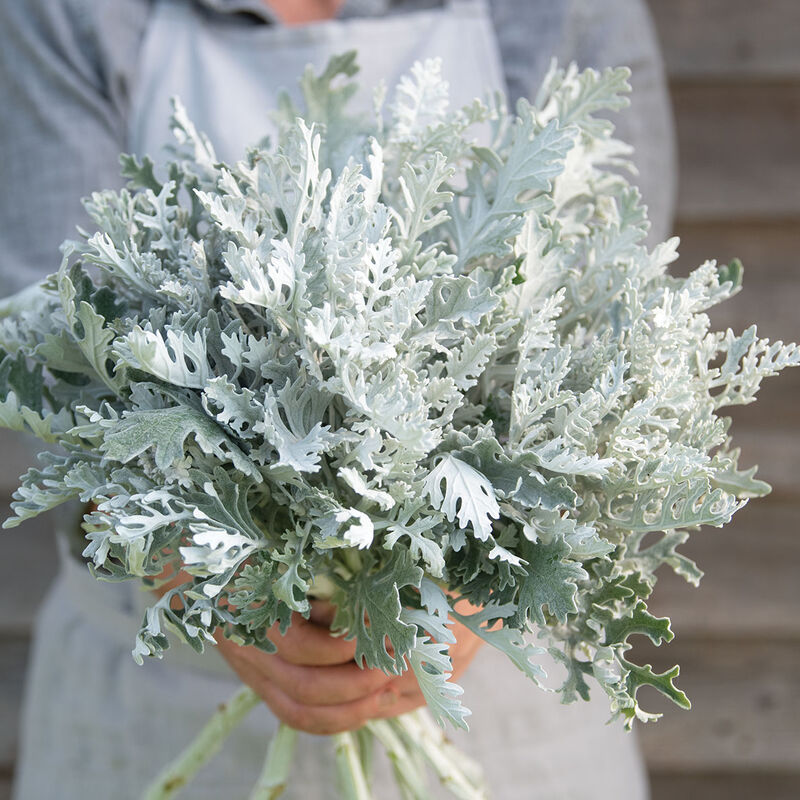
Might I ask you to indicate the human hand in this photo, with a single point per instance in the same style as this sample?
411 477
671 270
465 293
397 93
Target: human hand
313 684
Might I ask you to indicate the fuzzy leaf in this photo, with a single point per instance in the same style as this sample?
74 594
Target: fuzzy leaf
166 430
432 668
372 613
468 495
551 581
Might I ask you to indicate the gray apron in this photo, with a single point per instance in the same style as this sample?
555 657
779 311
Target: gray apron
97 726
229 75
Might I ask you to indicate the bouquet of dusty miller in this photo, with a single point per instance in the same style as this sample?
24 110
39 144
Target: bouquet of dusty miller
376 363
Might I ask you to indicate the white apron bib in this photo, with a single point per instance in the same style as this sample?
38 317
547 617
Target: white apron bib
98 727
229 76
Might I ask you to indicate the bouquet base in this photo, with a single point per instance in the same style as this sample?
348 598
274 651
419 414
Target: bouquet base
414 744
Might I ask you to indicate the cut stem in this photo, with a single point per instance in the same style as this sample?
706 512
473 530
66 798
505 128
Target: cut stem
366 752
352 781
280 752
456 771
407 773
177 774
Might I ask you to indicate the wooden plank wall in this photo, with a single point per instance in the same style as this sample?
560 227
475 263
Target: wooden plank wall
734 71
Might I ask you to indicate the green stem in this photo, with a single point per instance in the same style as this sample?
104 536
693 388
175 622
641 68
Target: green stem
272 780
457 773
177 774
352 781
366 752
406 772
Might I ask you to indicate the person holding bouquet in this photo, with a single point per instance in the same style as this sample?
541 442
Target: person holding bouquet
81 82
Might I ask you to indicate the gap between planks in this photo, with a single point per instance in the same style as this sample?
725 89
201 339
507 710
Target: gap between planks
732 785
746 707
738 151
729 39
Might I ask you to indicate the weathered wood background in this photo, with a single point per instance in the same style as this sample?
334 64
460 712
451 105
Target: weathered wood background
734 69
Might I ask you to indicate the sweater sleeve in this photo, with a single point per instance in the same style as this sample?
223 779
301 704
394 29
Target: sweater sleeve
65 72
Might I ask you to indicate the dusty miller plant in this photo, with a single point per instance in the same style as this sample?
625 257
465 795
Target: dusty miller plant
378 361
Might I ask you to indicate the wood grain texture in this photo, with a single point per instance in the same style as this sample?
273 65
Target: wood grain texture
13 662
770 252
735 40
767 431
746 707
750 588
768 434
770 249
725 786
738 151
777 452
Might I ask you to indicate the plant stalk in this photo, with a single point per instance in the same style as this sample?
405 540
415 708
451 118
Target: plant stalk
407 740
275 774
407 773
177 774
457 773
352 781
366 752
